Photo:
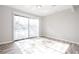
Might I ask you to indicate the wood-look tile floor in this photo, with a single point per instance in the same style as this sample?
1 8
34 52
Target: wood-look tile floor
39 46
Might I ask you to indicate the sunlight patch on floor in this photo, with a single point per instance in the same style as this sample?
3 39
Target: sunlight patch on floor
42 45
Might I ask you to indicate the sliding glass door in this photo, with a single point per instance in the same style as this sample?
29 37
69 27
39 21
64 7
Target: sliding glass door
25 27
20 27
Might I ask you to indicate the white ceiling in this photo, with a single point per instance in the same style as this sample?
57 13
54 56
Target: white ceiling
42 11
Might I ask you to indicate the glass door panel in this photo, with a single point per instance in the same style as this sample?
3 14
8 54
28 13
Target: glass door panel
20 27
33 27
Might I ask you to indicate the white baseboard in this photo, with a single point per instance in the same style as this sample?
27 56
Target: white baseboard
62 40
5 42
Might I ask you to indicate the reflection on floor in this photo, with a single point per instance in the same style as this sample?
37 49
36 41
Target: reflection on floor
38 46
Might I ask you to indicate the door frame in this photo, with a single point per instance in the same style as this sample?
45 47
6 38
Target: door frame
28 28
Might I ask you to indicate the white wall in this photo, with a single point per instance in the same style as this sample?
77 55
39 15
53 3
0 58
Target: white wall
62 25
5 25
